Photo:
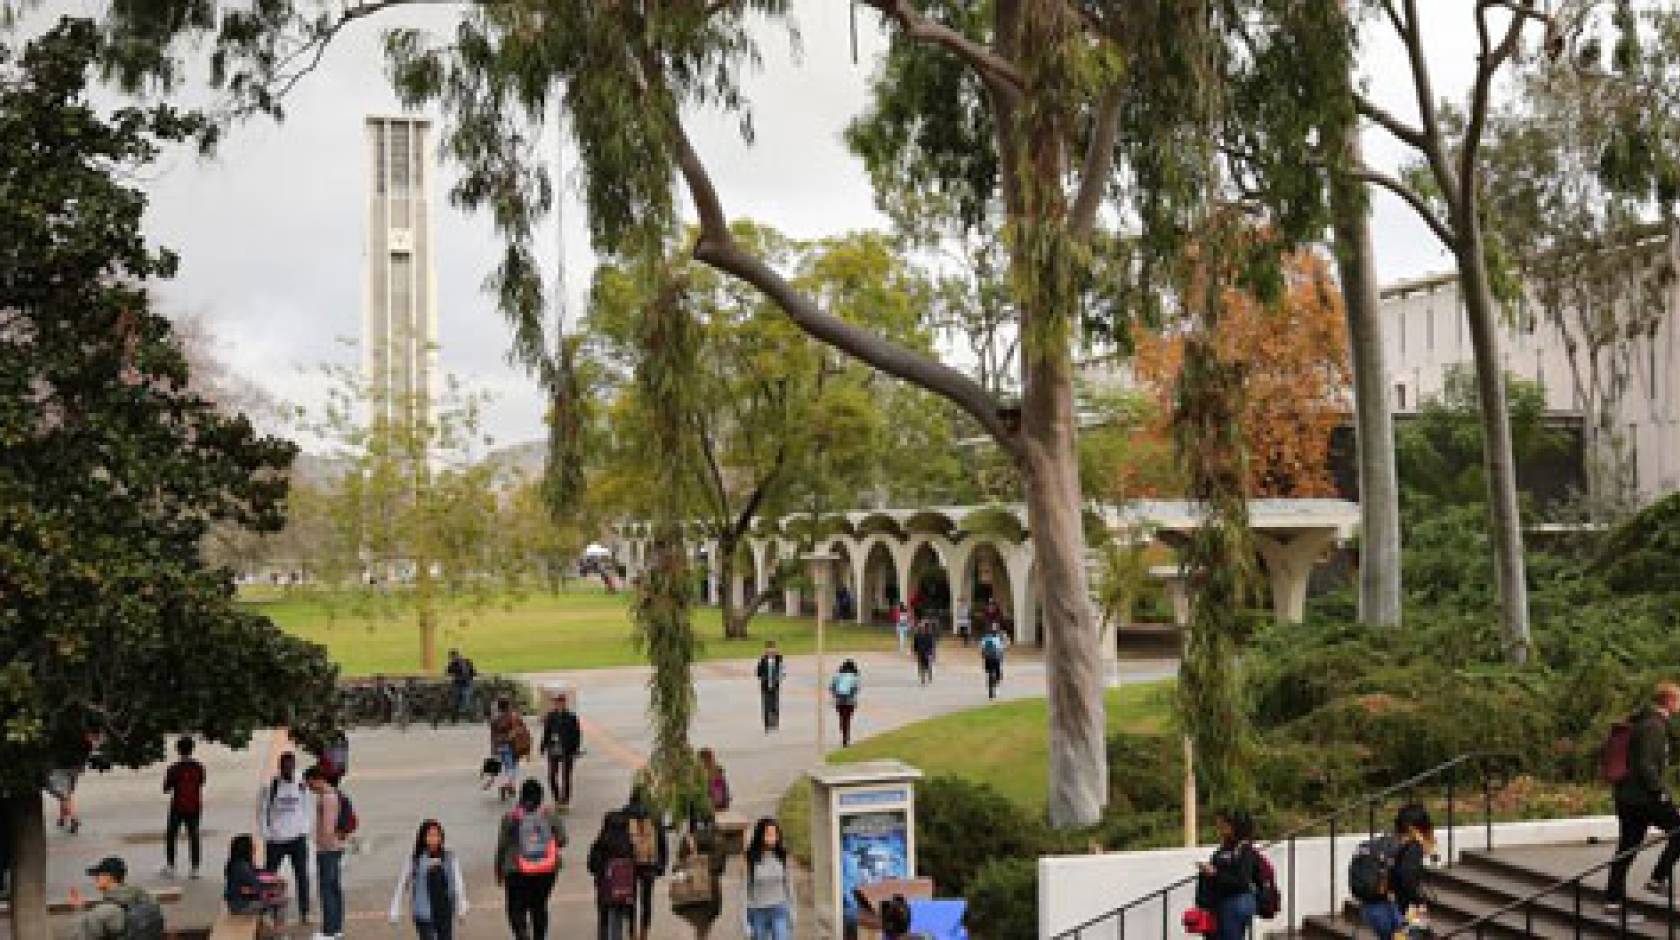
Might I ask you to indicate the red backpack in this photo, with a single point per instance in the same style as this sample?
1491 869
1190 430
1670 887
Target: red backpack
1613 759
1268 900
618 882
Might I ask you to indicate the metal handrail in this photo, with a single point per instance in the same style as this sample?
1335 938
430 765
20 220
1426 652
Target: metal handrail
1573 882
1370 802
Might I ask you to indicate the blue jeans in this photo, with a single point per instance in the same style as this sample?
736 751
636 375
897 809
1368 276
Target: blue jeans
769 923
1234 915
510 763
1383 918
329 866
297 850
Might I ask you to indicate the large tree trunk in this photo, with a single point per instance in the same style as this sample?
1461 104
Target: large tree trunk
735 616
29 864
1379 486
1503 514
426 602
1073 655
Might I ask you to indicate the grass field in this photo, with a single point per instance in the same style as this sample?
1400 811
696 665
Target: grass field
585 628
1005 745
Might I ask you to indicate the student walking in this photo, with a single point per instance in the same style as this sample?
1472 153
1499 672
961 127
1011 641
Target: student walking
184 782
430 881
1398 859
901 622
717 782
701 858
767 902
647 839
612 863
992 646
461 678
845 686
528 860
771 671
122 911
331 809
1230 880
562 739
510 740
1642 799
286 812
923 644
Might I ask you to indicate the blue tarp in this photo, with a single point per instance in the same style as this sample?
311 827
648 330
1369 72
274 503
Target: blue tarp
939 920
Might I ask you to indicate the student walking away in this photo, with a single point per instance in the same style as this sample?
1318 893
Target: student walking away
184 782
771 671
122 911
528 859
845 686
1386 874
717 782
62 782
767 901
461 678
286 811
612 863
901 622
510 740
1230 882
562 739
430 881
647 839
335 819
697 879
992 646
923 645
1635 761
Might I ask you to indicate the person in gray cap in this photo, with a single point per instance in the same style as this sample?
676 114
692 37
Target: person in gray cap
122 910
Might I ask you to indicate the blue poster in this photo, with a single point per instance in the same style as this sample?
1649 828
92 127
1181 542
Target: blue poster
873 847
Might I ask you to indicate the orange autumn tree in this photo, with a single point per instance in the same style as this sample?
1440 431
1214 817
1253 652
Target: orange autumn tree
1294 359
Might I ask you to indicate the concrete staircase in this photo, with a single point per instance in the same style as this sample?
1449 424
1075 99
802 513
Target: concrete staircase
1483 882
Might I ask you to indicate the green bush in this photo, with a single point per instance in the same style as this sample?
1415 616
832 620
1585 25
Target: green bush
1145 773
1643 554
1003 900
961 825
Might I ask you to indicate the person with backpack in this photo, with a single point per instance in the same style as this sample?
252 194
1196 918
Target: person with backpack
528 860
510 740
767 902
1230 881
1386 874
612 863
461 677
647 839
992 646
1636 760
697 883
431 883
286 812
122 911
562 740
771 671
184 782
717 782
845 687
334 821
923 644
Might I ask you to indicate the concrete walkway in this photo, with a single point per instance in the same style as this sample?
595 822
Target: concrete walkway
399 778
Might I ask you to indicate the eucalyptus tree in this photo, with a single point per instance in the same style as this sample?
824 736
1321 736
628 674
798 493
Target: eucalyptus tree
1061 109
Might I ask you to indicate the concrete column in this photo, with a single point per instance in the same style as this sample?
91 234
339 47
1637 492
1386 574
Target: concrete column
1288 565
902 558
962 600
1017 561
1179 594
860 572
760 577
790 601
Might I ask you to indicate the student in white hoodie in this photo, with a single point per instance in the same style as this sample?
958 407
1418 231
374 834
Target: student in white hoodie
286 813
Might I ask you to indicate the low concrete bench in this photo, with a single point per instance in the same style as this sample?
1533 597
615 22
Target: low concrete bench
67 906
732 828
237 927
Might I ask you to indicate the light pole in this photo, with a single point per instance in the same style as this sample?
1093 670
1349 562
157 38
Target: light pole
820 563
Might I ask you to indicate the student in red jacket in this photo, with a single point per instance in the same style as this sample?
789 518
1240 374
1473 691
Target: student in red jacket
184 782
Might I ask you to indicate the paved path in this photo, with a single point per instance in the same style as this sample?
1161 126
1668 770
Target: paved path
398 778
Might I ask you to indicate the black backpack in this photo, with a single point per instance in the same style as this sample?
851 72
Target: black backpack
1368 869
142 919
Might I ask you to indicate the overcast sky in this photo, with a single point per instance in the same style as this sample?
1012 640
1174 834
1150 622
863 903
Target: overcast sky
271 235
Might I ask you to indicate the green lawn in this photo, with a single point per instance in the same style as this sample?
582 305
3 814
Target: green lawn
582 629
1005 745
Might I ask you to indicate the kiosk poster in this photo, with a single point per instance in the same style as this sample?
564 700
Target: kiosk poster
873 847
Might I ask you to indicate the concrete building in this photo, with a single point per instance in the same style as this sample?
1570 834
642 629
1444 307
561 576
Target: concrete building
399 323
1636 399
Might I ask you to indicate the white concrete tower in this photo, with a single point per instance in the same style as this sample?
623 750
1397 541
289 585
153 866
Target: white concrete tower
399 324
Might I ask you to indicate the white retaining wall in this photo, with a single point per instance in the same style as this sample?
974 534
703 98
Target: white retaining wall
1075 888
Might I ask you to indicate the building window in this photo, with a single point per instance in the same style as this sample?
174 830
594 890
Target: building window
379 157
1400 396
